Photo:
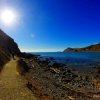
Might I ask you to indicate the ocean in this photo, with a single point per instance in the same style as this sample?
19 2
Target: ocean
80 60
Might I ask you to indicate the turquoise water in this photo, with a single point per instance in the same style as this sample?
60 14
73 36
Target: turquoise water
75 59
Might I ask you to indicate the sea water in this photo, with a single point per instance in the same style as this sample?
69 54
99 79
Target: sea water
81 60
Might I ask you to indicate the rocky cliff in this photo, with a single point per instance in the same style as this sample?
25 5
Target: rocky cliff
91 48
7 48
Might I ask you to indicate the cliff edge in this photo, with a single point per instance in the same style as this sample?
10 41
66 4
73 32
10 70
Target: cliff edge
7 48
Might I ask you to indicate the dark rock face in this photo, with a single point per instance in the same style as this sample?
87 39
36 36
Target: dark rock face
91 48
7 48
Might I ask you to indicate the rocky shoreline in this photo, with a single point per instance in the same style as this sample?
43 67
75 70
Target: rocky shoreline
51 81
54 82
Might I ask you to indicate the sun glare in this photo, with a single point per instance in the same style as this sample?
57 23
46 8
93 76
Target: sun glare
7 16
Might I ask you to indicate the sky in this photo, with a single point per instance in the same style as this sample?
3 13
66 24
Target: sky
53 25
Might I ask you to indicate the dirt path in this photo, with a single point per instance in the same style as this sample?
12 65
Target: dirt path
12 85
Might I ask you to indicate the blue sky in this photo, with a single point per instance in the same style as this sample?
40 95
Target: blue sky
53 25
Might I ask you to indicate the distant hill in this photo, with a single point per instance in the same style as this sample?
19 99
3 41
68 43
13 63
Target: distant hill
91 48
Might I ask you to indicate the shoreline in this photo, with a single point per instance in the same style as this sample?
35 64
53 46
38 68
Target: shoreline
56 83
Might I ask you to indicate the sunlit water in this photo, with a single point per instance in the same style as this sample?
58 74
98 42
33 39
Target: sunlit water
81 60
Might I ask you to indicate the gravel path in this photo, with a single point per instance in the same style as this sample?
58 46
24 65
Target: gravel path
12 85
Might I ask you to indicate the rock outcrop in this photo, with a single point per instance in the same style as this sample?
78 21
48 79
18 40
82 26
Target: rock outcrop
8 48
91 48
54 82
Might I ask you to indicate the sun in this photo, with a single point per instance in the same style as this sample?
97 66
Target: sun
8 16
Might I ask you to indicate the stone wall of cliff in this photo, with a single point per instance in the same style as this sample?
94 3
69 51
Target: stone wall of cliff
7 48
